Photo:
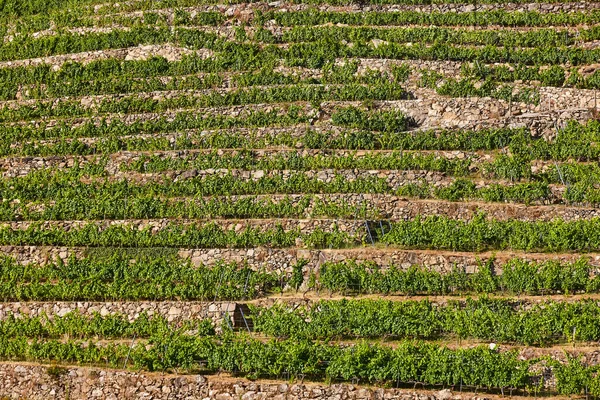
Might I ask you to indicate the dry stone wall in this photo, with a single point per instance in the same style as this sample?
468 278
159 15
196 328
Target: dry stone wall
171 115
283 260
33 382
430 111
389 207
256 258
443 261
142 52
304 226
20 166
173 311
245 10
465 8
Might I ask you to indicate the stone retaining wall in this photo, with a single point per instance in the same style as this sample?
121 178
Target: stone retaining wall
444 261
396 208
377 205
283 260
173 311
428 109
549 7
20 166
304 226
33 382
259 257
141 52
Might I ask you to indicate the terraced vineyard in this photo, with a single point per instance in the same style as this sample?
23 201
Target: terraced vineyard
319 199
